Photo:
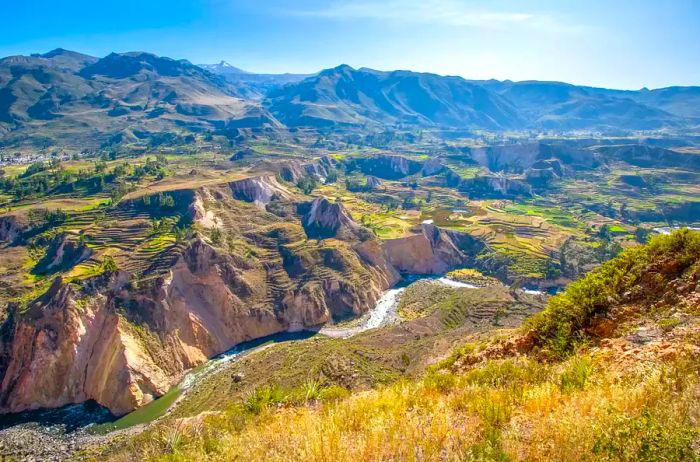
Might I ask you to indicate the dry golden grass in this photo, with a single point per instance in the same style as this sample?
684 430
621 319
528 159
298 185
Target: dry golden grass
514 409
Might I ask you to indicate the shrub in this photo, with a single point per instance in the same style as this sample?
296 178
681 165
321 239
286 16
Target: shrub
575 375
263 398
109 265
561 325
307 184
312 390
334 393
645 438
440 381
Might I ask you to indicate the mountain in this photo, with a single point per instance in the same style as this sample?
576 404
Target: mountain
64 94
347 96
223 68
681 101
565 106
67 98
344 95
250 84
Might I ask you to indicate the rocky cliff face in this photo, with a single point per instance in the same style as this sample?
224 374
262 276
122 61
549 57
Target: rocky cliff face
122 344
495 186
433 251
59 351
259 190
63 253
11 227
325 219
390 167
294 170
123 338
517 158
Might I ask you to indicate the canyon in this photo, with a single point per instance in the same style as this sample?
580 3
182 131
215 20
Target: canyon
123 342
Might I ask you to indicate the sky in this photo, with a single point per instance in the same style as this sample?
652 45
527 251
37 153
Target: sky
613 43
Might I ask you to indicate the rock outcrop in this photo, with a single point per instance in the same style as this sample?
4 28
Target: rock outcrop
58 352
325 219
62 253
260 190
432 167
517 158
294 170
198 212
544 172
389 167
372 183
433 251
489 186
11 227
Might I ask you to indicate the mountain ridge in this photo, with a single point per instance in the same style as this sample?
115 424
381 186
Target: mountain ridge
60 93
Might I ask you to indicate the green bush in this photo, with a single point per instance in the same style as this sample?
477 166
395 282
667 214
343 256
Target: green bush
263 398
307 183
645 438
575 375
561 325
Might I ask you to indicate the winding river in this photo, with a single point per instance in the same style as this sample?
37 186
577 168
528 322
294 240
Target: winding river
94 419
384 311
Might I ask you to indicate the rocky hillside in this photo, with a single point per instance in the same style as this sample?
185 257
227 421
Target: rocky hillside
61 93
347 96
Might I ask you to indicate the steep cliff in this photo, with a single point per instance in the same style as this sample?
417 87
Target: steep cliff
63 253
433 251
495 187
59 351
260 190
390 167
292 171
323 219
11 227
123 342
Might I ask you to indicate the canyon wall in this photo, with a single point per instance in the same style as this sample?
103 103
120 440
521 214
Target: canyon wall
123 341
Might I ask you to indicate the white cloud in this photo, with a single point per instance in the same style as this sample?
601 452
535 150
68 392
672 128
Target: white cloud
443 12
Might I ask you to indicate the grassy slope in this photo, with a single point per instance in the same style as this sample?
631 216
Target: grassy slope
612 398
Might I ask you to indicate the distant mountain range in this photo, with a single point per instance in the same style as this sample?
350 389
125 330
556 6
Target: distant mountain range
63 93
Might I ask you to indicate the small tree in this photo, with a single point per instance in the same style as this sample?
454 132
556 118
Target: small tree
215 236
109 265
332 176
307 184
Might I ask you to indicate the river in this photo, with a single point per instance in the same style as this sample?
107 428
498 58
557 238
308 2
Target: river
92 418
384 311
670 229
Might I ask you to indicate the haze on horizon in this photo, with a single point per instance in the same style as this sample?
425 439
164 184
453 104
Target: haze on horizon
613 44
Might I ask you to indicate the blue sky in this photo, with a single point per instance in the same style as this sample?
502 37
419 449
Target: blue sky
613 43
